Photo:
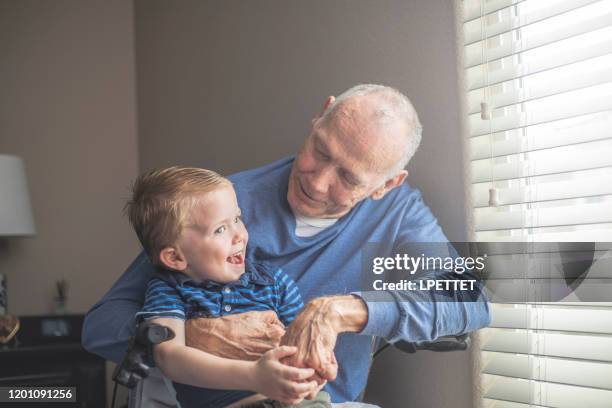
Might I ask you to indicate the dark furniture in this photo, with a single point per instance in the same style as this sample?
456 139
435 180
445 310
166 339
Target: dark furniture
48 352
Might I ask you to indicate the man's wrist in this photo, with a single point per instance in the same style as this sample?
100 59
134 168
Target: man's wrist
344 313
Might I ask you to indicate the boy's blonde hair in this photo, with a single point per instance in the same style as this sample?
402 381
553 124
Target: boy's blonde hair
161 201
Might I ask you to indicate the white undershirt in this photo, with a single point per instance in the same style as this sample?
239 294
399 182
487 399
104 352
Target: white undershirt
307 226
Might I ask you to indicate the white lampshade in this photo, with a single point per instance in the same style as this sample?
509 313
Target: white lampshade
15 209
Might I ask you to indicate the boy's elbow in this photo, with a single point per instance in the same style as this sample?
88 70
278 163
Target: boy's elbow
163 355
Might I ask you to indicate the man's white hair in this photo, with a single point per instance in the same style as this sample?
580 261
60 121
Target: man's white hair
392 105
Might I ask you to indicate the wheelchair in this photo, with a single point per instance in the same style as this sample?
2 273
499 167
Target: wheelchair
148 388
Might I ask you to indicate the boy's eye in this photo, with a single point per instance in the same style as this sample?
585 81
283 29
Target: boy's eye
220 230
237 219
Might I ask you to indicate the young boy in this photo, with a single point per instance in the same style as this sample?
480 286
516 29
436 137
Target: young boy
188 222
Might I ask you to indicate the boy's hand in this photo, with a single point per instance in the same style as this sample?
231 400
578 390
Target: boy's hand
244 336
281 382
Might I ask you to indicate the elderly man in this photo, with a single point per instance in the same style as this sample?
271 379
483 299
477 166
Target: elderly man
312 216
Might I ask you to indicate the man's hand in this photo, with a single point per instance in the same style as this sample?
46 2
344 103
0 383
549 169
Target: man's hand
315 338
244 336
315 330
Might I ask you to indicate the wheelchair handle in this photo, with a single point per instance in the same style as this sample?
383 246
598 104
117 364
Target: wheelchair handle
443 344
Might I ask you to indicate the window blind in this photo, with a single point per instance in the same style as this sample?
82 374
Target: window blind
538 101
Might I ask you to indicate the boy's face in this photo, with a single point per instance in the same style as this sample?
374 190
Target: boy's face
214 239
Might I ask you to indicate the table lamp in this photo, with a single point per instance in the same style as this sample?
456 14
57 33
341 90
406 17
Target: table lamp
15 209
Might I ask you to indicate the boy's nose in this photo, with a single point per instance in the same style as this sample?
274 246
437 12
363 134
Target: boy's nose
239 235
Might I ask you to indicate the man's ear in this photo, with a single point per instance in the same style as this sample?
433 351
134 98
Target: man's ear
330 99
172 258
389 185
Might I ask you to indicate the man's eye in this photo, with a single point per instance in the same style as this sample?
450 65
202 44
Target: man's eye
237 219
349 180
220 230
321 155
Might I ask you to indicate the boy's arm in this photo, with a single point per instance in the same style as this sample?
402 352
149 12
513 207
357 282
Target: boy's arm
165 306
194 367
267 376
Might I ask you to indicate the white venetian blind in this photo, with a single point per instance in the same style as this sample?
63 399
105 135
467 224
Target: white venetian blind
538 83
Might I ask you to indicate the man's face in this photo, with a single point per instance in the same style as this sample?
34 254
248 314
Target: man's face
214 240
340 164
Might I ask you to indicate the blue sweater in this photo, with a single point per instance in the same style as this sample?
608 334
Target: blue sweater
327 263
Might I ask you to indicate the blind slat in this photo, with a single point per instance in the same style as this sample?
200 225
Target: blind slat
548 290
567 78
559 318
552 30
591 347
562 106
489 403
575 233
549 369
580 184
591 155
511 18
474 8
543 393
571 50
494 218
570 131
547 248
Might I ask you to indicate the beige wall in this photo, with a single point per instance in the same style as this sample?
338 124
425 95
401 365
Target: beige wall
222 84
233 84
67 107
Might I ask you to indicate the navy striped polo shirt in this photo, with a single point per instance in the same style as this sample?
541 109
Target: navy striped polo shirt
174 294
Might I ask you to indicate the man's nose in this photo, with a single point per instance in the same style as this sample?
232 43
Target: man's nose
321 179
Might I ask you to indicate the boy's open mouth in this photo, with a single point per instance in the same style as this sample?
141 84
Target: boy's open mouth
236 258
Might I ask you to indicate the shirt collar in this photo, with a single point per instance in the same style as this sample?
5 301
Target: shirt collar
320 223
255 272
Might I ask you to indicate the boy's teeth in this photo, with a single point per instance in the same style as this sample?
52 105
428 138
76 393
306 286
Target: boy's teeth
236 258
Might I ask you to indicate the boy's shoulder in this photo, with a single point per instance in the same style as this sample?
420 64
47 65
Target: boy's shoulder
261 273
164 279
